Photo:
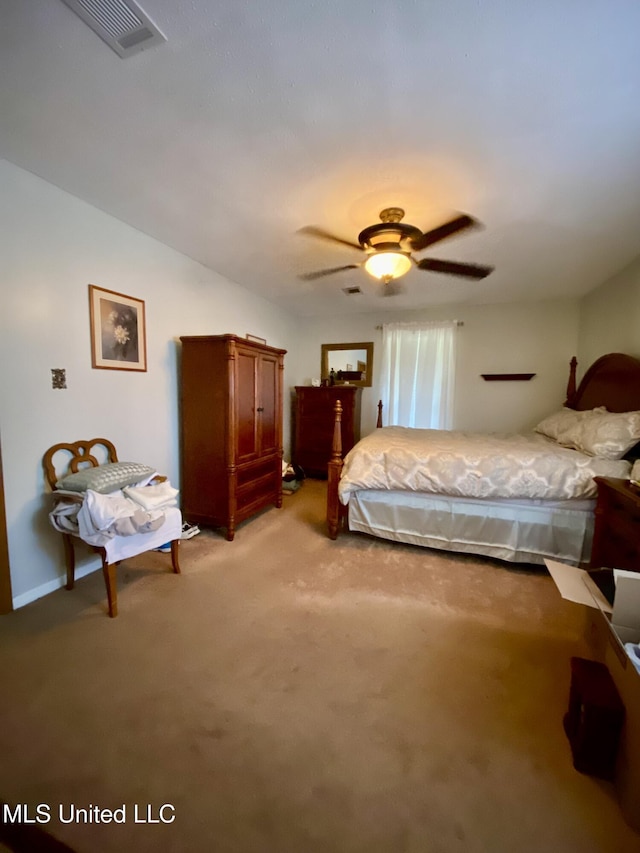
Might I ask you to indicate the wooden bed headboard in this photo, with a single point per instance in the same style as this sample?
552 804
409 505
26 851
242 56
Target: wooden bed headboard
613 381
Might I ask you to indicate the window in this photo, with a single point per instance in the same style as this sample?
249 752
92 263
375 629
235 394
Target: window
418 373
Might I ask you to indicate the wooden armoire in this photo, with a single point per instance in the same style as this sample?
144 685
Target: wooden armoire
231 420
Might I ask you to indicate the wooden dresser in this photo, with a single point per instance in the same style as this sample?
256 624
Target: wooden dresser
313 413
231 421
616 537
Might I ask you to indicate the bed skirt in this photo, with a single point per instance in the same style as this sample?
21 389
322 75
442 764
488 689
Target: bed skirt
515 531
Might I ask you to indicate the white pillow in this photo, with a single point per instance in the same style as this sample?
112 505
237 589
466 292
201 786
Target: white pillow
564 426
609 435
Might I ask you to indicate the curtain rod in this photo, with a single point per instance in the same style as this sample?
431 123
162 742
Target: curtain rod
457 322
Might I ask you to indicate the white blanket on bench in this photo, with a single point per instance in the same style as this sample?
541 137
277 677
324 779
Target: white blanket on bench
99 519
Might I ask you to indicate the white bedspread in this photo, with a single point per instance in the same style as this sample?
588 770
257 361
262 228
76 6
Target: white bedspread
466 464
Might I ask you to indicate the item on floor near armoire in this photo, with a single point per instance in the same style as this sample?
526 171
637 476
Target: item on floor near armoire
314 424
231 419
189 530
292 477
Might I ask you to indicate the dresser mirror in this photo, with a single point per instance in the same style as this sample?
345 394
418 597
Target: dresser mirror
352 363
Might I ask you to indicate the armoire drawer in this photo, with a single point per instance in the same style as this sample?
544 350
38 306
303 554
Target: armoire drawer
253 471
250 500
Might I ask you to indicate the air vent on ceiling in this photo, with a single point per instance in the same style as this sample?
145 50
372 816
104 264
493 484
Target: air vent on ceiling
351 290
123 26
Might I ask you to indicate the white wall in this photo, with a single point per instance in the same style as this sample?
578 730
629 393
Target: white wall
610 318
537 337
52 246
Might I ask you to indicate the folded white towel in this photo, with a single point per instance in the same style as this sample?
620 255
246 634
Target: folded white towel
102 517
153 497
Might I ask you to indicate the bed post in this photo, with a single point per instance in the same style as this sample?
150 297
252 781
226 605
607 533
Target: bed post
379 421
333 474
571 385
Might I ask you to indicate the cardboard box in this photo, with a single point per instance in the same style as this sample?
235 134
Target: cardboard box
607 629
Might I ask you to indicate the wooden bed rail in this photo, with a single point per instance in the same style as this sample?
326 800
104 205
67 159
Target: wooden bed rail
336 512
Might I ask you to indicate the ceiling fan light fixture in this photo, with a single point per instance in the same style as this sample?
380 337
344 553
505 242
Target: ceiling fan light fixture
389 246
388 265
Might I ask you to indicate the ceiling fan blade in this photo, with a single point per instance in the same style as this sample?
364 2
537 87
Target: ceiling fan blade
452 268
313 231
312 276
459 223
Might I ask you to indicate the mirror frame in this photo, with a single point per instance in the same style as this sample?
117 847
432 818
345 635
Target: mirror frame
366 345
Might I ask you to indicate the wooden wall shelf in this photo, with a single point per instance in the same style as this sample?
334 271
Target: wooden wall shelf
506 377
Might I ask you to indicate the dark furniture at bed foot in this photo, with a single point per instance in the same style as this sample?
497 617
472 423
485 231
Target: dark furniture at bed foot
314 417
616 537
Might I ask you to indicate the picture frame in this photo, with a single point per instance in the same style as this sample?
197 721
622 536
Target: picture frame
256 339
118 330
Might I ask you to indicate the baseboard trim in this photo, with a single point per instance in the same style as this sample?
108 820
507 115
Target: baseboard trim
50 586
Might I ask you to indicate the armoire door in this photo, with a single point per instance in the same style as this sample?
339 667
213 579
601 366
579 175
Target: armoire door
246 403
268 405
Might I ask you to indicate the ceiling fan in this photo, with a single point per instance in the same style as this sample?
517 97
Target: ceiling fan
389 246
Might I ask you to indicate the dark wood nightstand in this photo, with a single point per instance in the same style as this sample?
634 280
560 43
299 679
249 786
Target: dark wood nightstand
616 537
314 416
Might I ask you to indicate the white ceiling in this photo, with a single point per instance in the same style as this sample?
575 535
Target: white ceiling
257 118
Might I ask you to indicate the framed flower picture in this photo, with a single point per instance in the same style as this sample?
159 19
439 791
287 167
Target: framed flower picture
118 331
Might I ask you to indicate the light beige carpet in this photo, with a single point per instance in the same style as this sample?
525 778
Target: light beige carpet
289 694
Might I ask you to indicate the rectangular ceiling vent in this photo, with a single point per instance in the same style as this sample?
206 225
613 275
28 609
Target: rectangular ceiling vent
123 26
351 290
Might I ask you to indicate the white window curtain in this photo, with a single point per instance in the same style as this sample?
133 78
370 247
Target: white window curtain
418 373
